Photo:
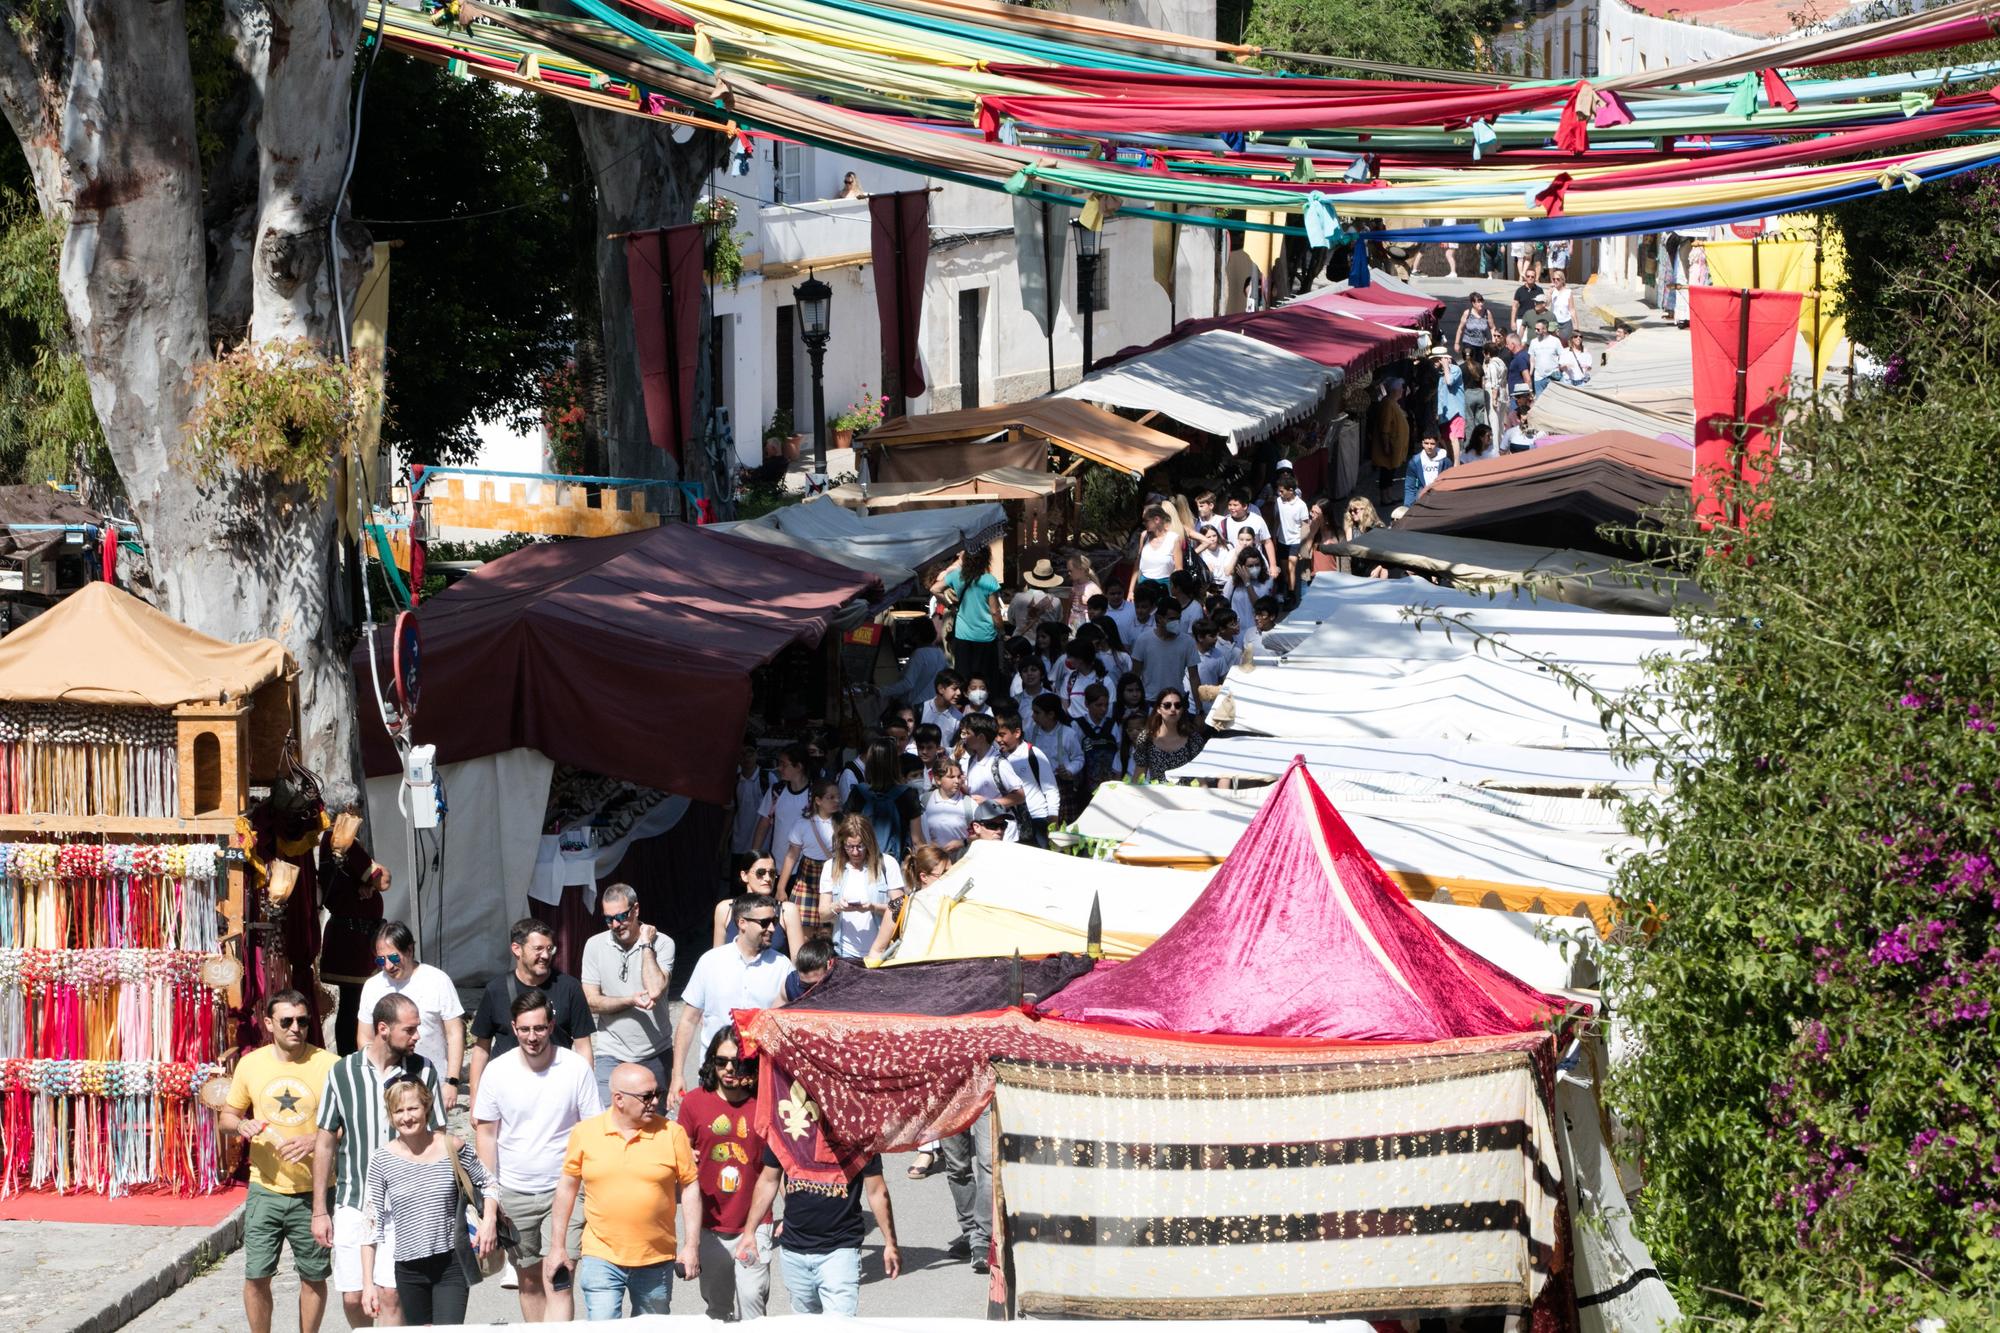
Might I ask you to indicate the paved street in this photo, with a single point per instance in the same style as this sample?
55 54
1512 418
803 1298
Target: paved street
930 1285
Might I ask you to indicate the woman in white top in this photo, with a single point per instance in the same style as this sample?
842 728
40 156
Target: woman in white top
860 885
923 867
947 810
813 839
1082 587
1159 555
1573 362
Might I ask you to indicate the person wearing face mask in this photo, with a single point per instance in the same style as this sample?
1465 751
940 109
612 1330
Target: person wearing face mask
1166 658
977 698
1247 578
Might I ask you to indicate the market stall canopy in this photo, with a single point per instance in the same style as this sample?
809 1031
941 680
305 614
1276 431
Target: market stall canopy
1569 409
1561 494
1220 382
1353 347
1400 312
1332 595
960 444
1580 577
1039 904
1509 768
101 645
628 656
1302 935
894 547
1004 483
35 518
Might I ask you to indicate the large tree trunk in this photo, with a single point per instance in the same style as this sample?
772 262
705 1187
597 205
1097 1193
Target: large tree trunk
644 180
239 558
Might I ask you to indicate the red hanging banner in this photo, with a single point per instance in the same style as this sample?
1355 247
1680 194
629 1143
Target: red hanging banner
664 269
900 242
1743 343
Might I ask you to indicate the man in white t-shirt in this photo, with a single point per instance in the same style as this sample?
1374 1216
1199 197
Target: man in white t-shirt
624 976
1041 801
529 1100
743 973
1241 515
1293 515
784 804
1544 355
440 1016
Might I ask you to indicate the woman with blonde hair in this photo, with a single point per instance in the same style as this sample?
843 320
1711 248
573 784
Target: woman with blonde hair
924 866
1083 586
1360 517
858 883
413 1189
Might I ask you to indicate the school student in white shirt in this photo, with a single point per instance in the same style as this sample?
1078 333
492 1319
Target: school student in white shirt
783 804
1041 788
942 710
988 775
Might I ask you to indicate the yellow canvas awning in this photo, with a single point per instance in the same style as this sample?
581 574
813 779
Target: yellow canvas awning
103 646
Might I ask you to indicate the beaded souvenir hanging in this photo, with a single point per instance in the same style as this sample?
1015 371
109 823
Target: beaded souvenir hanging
83 759
109 895
107 1126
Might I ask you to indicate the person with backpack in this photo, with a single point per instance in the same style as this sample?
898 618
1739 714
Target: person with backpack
892 805
1098 729
1041 802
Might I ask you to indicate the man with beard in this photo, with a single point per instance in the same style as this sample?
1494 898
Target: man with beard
528 1102
720 1123
353 1123
533 945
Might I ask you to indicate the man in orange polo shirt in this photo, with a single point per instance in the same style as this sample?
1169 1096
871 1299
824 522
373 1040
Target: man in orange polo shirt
631 1166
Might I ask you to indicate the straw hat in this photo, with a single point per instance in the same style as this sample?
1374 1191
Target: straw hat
1043 575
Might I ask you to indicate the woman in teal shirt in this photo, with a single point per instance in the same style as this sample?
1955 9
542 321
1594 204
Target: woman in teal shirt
975 631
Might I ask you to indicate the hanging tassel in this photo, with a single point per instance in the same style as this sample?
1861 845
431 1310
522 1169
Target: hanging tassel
1743 100
1777 92
1483 137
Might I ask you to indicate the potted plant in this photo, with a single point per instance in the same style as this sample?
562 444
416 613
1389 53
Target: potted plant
780 441
863 414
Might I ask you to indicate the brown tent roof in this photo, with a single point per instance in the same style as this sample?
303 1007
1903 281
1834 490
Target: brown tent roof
628 656
1657 458
1080 427
33 518
100 645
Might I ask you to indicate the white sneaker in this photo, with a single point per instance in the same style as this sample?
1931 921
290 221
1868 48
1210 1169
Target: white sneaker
511 1282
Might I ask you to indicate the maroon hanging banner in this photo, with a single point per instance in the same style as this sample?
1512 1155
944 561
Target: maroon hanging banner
900 240
1743 341
666 323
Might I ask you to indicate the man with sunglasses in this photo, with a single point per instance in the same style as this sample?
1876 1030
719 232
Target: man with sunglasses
273 1100
441 1030
630 1165
624 976
353 1125
743 973
720 1124
533 945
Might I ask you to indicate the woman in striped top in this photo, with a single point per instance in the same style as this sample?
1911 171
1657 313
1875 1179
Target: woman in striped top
413 1184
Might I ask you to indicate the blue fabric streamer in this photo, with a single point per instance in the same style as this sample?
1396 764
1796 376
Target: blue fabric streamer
1322 223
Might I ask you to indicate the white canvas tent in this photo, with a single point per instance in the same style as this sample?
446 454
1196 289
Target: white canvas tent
1502 767
893 547
1219 382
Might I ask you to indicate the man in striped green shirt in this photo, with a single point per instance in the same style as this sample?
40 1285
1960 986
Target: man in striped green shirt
353 1123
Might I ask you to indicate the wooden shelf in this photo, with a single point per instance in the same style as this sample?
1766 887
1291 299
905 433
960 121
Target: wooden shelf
200 828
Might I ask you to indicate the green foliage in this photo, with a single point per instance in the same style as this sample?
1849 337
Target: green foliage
1815 1015
475 182
1440 34
48 426
1907 253
279 410
725 243
1109 505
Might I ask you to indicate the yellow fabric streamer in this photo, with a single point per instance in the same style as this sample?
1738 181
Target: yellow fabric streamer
1786 264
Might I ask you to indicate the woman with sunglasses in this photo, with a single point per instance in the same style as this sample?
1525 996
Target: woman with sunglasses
413 1192
758 873
861 884
1173 737
806 858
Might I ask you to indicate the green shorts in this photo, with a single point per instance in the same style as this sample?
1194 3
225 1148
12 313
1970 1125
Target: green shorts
270 1220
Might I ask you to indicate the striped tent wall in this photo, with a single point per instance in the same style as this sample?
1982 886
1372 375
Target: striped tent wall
1378 1189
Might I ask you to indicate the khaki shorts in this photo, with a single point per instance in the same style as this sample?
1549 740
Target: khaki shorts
530 1215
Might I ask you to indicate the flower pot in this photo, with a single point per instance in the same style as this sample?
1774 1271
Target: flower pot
792 447
843 439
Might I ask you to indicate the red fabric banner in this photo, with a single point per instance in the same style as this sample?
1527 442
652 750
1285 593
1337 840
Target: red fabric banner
662 267
1743 341
900 240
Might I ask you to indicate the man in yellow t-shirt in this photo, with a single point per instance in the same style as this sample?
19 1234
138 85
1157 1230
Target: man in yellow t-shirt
631 1166
274 1106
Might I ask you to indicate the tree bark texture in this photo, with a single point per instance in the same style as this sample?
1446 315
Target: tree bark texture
644 180
147 267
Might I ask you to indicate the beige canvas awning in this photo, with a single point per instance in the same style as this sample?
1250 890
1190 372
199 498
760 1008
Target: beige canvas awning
1577 577
955 444
103 646
1001 483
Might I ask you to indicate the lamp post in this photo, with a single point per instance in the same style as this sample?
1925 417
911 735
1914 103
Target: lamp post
815 300
1088 253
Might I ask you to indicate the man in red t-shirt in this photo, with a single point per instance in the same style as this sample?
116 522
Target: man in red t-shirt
728 1151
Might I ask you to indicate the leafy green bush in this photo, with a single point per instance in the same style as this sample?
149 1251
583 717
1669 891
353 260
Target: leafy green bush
280 410
1816 1048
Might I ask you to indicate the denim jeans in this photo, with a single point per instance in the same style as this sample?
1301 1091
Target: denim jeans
968 1170
823 1283
604 1286
604 1066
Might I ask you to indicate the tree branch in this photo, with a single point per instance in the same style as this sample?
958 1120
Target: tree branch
30 92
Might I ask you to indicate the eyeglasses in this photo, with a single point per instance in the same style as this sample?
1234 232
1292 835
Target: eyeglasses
761 922
764 872
1166 707
388 960
298 1021
612 918
649 1096
734 1061
991 823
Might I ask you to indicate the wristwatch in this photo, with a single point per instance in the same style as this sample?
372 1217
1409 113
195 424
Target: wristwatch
456 1083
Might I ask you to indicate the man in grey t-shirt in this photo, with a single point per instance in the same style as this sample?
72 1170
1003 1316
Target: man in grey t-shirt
624 976
1165 658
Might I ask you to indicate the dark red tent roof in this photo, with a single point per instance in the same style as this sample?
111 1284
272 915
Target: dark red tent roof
628 656
1302 935
1348 345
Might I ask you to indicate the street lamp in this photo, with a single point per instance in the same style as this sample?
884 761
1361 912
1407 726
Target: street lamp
1088 245
815 300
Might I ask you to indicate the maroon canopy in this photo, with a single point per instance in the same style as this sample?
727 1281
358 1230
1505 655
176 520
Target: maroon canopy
1348 345
1301 934
628 656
